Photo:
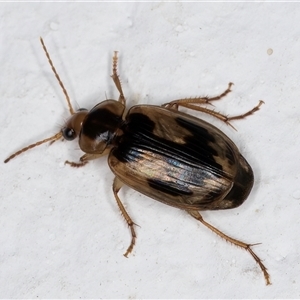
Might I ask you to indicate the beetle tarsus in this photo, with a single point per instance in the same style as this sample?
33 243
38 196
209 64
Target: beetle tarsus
262 266
76 165
248 113
133 238
116 78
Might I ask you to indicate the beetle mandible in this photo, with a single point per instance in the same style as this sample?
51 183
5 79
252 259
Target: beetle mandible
163 153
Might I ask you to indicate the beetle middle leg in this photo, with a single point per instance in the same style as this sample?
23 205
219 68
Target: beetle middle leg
187 102
194 104
195 214
224 118
117 185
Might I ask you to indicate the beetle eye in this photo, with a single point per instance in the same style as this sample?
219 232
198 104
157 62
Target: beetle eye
69 134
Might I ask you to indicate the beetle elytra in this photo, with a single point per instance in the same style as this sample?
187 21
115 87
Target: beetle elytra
163 153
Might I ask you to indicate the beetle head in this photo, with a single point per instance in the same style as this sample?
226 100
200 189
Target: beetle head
73 126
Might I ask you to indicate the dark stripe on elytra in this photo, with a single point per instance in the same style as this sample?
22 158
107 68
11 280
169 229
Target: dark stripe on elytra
99 121
195 155
138 134
198 143
230 157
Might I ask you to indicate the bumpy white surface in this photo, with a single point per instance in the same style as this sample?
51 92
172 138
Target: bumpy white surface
61 233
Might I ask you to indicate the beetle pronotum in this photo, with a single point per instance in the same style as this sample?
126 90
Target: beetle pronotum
163 153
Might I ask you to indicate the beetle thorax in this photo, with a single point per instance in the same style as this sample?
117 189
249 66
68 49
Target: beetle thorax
100 126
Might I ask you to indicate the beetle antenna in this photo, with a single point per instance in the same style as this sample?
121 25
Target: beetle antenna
58 78
53 138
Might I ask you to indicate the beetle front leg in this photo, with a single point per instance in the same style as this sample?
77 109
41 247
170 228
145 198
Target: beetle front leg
117 185
247 247
116 78
82 161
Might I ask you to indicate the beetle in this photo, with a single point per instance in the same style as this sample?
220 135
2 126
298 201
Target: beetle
163 153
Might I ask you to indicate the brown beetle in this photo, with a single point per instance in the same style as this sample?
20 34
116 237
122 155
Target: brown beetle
163 153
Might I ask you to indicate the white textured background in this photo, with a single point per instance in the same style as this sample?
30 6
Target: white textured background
61 234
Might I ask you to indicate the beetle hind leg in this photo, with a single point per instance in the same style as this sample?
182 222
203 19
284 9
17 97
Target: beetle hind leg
117 185
238 243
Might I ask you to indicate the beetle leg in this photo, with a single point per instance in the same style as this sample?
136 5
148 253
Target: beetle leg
224 118
196 100
244 115
247 247
116 78
117 185
85 158
192 103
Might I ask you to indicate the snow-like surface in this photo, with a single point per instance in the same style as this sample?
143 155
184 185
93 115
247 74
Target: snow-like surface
61 233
